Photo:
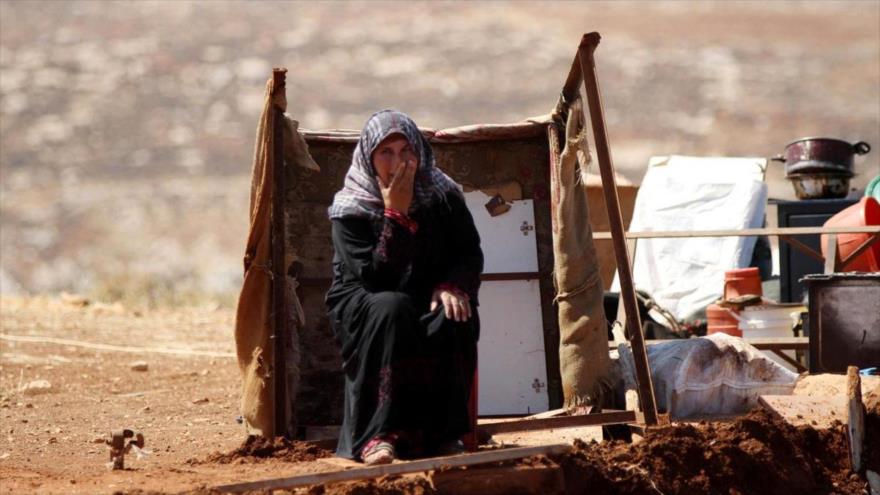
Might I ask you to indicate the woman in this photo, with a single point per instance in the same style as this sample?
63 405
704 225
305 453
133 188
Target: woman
403 302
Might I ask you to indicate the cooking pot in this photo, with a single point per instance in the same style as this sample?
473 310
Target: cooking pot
823 155
818 185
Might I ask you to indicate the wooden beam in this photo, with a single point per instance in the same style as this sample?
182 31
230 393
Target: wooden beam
633 326
859 250
499 480
397 468
280 304
832 259
788 359
548 414
600 419
855 427
787 231
760 343
803 248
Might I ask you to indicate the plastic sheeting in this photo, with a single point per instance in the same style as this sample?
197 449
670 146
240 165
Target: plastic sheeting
714 375
681 193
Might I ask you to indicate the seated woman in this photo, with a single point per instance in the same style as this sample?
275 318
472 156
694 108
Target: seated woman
403 302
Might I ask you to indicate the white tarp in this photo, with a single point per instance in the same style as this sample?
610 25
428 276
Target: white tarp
682 193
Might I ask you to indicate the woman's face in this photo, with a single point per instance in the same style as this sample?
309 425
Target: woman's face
390 155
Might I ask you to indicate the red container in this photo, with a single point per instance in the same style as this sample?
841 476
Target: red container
745 281
865 212
721 320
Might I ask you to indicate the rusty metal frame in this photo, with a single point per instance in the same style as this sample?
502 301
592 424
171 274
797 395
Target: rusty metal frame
583 70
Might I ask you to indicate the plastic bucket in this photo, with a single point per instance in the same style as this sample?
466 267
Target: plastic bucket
865 212
770 321
722 320
742 282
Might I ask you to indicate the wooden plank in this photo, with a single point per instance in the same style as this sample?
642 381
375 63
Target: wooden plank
790 360
859 250
760 343
548 414
832 259
788 231
499 480
605 418
855 418
397 468
280 332
773 343
803 248
804 410
633 327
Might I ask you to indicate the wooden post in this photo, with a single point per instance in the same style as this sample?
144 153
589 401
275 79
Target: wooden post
609 186
831 256
855 427
280 330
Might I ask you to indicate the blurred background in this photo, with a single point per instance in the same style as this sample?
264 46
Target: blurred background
126 128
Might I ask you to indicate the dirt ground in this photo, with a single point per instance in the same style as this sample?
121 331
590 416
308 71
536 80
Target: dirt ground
185 404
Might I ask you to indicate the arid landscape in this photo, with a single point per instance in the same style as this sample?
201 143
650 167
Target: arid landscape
126 136
127 128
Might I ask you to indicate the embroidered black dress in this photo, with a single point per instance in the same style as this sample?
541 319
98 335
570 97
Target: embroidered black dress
407 369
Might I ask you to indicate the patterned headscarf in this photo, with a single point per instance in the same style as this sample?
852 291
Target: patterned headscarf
360 195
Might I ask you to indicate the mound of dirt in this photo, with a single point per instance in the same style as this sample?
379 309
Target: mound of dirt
391 485
756 454
255 449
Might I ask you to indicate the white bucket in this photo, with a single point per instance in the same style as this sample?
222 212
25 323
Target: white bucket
774 320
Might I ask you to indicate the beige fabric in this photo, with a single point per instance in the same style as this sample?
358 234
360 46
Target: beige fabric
253 319
583 340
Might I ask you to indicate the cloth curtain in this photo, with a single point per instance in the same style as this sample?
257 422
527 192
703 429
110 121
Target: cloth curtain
253 319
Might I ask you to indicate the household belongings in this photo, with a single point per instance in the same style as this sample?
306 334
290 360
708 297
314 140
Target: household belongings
682 193
714 375
865 212
844 321
820 168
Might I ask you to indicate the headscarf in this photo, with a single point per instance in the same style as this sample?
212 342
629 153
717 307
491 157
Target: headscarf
360 195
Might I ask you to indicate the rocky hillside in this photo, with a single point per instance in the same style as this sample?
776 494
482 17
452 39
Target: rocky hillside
126 127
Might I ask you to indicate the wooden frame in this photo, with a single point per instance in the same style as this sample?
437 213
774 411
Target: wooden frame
583 70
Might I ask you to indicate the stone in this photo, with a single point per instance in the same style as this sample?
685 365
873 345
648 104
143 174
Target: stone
139 366
36 387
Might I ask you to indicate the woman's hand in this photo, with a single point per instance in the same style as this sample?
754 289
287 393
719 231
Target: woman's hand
398 192
456 304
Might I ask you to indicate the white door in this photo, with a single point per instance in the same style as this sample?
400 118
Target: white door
512 366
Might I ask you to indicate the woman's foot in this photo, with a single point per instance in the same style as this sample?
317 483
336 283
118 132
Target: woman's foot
379 450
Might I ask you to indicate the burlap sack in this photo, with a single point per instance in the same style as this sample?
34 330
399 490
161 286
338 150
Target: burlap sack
583 339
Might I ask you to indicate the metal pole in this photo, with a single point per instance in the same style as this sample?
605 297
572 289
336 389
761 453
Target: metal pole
609 186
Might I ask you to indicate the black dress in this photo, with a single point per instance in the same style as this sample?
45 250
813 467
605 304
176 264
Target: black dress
407 369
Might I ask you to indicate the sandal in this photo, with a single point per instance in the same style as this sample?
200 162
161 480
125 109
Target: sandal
379 450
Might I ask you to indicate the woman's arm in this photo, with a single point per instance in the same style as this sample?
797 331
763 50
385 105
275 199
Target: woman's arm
466 256
380 263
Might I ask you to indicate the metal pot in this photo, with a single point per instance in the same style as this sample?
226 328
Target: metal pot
816 185
825 155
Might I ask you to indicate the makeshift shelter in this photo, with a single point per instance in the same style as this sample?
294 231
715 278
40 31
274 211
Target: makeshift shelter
535 160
